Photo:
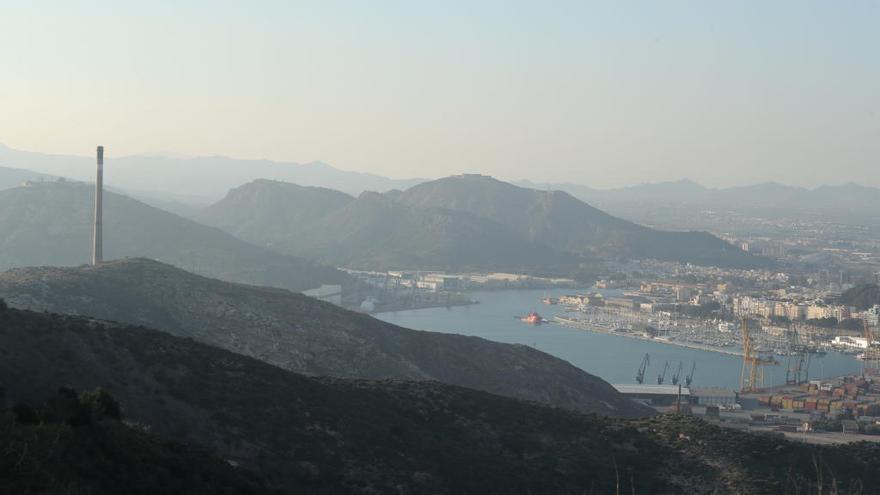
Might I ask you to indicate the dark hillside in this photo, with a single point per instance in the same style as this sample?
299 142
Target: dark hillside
301 334
107 457
335 436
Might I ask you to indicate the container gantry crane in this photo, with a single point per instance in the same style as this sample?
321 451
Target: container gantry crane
676 377
640 375
662 376
752 374
800 355
690 378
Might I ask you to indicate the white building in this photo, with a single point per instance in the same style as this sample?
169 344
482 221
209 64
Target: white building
852 342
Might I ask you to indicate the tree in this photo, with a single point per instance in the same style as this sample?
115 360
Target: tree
101 404
65 407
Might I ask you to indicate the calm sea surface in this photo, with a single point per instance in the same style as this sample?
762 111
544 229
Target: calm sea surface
611 357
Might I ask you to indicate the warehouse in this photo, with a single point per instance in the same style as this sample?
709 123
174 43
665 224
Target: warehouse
655 395
713 396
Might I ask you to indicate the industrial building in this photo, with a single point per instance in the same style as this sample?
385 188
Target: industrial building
655 395
713 396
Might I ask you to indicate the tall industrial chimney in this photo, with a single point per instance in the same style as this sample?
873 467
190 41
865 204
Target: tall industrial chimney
97 232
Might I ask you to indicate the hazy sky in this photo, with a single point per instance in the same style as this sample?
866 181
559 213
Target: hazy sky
601 93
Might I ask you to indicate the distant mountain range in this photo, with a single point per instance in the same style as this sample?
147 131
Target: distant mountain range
302 334
846 203
329 436
460 222
49 223
196 180
183 185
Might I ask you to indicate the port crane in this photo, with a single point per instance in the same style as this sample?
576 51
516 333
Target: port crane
662 376
690 377
799 356
676 377
640 375
752 374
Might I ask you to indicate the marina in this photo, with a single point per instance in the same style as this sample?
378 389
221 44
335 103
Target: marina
583 325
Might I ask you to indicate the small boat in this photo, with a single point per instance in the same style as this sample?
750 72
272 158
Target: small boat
550 300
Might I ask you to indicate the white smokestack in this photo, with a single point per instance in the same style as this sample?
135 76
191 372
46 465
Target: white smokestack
98 232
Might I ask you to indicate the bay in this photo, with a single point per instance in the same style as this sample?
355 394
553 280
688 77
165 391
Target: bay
611 357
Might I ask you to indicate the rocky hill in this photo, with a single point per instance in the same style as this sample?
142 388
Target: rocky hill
570 225
377 232
370 231
466 222
285 209
49 224
322 436
302 334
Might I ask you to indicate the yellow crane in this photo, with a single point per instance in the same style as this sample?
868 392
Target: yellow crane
752 374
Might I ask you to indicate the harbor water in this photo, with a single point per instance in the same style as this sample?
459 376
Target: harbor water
614 358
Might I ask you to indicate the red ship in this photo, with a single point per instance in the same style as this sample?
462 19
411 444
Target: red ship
533 318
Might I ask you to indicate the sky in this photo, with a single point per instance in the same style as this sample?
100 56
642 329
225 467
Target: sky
600 93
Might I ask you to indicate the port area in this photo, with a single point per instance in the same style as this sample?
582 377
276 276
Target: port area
787 426
610 323
823 412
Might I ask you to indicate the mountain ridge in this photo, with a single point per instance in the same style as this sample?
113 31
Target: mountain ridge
372 229
462 218
686 191
204 177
